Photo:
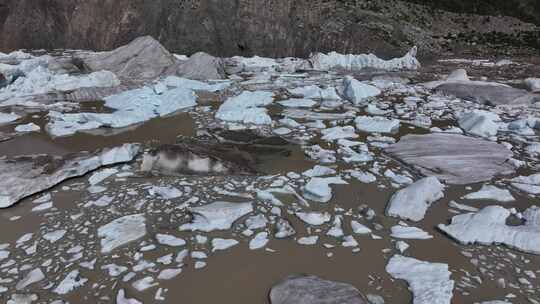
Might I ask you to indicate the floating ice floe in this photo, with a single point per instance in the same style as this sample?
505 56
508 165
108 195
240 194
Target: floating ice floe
480 123
8 117
529 184
315 92
318 188
411 203
121 231
490 192
121 298
456 159
334 60
407 232
216 216
429 282
298 103
357 92
488 226
314 218
247 108
358 228
23 176
101 175
376 124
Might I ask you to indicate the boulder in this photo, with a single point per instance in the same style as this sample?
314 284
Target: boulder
485 93
314 290
201 66
455 159
141 60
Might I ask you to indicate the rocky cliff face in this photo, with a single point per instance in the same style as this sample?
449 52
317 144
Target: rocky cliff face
268 27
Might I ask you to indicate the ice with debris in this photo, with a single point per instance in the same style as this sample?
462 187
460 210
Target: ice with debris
488 226
216 216
411 203
27 175
430 283
121 231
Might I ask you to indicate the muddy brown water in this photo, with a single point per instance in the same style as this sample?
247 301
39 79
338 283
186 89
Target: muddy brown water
243 276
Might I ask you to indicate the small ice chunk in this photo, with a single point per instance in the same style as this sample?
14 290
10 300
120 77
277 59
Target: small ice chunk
335 133
298 103
318 171
480 123
8 117
170 240
144 283
165 192
167 274
259 241
489 192
411 203
357 92
121 298
216 216
318 188
70 283
247 108
101 175
30 127
358 228
284 229
429 282
308 240
30 278
376 124
402 246
223 244
121 231
411 233
314 218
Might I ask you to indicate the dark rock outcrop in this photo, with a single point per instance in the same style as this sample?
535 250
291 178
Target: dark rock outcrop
314 290
274 28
